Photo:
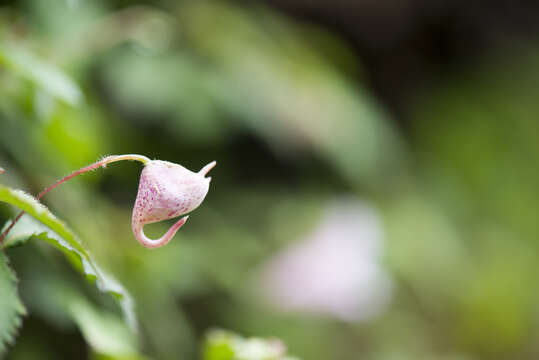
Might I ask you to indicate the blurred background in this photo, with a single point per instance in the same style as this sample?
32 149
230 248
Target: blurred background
376 193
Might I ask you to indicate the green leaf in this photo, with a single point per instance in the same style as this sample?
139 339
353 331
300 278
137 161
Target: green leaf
104 332
23 231
46 76
11 308
56 233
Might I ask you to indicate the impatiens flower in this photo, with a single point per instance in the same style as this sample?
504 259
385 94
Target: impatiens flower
167 190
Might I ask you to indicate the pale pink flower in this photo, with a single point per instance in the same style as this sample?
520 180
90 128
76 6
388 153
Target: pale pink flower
335 270
167 190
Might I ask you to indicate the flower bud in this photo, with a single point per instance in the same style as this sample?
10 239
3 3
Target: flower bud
167 190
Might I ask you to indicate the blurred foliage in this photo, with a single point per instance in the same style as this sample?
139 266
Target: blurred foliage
222 345
285 108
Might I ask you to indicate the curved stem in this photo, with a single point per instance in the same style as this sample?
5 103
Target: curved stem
101 163
163 240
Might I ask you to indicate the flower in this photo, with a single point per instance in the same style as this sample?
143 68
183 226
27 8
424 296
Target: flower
335 270
167 190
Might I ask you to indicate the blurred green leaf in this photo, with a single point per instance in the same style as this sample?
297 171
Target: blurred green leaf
172 86
46 76
108 336
11 308
61 237
224 345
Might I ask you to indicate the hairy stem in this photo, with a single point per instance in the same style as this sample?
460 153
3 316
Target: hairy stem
101 163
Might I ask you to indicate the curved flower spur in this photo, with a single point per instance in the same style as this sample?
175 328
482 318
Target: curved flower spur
166 190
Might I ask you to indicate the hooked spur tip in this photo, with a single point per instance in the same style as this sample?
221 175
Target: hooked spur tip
138 231
207 168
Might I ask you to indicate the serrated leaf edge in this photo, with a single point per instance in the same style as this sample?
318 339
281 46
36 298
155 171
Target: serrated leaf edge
20 309
61 237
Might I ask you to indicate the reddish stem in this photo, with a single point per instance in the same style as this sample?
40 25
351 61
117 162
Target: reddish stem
101 163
